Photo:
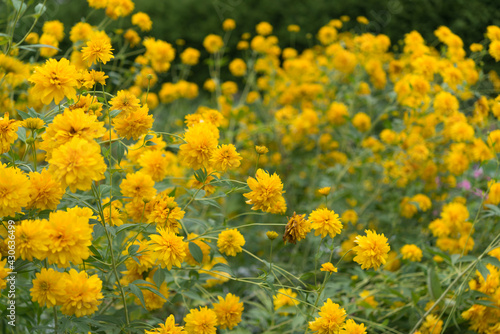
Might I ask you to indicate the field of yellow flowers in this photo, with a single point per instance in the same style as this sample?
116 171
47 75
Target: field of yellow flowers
349 188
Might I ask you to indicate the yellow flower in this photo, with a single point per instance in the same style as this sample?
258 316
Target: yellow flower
82 294
77 164
225 157
138 185
119 8
48 39
32 239
351 327
154 164
431 325
261 149
93 77
264 28
54 81
228 311
371 250
331 319
213 43
54 28
69 236
361 121
362 20
272 235
168 328
8 135
201 143
159 53
327 35
45 192
238 67
190 56
14 190
48 287
293 28
124 101
142 20
4 272
144 256
168 248
80 32
325 222
285 297
230 242
132 37
266 194
133 124
325 191
350 216
228 24
296 229
33 123
202 321
368 298
494 50
412 253
165 213
328 267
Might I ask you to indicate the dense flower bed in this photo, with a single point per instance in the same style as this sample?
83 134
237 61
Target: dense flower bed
348 188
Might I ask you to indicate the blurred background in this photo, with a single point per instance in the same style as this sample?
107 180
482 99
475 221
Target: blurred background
191 20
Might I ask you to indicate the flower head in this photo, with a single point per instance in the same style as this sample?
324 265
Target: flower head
266 194
48 287
412 253
225 157
325 222
331 319
297 228
202 321
82 294
32 239
168 328
329 267
54 81
77 163
371 250
201 143
284 297
138 185
228 311
133 124
14 190
168 248
230 242
46 193
351 327
8 135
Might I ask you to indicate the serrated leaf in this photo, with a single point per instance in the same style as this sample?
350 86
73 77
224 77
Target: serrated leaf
482 269
196 252
434 284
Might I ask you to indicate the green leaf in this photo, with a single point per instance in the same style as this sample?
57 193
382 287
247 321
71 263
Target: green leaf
114 113
487 303
150 143
492 260
223 267
482 269
132 249
495 209
137 292
120 151
159 277
434 284
196 252
40 9
124 227
22 114
467 258
95 252
21 134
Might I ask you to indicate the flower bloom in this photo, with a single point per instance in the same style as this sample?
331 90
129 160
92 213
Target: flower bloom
14 190
230 242
266 194
371 250
168 248
328 267
296 229
228 311
225 157
48 287
168 328
54 81
325 222
82 294
202 321
8 132
77 163
412 253
331 319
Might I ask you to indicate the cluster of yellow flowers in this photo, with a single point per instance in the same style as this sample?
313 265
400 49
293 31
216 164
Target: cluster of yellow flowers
113 208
